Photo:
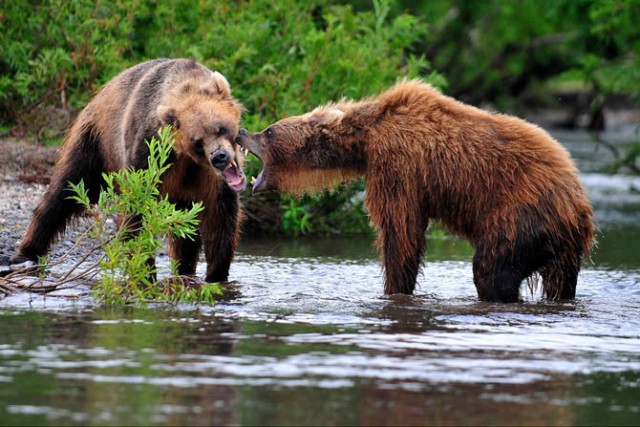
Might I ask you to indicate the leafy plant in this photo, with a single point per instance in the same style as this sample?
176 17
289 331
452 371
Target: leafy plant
127 269
282 57
337 211
55 54
295 218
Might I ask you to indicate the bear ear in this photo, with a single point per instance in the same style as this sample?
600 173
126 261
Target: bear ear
362 116
325 115
334 114
221 83
167 116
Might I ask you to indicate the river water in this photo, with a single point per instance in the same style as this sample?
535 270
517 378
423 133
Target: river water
305 337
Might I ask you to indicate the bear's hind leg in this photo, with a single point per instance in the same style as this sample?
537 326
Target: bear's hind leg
560 278
80 161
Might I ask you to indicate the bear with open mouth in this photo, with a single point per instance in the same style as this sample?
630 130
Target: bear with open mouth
502 183
109 135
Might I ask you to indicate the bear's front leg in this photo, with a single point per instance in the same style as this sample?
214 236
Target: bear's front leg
401 227
185 251
220 230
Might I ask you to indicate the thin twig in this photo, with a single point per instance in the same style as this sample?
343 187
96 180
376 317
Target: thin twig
99 246
77 242
598 139
6 288
72 296
620 160
80 262
93 270
9 277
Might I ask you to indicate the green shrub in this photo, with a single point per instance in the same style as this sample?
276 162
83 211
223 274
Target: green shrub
282 57
55 54
126 275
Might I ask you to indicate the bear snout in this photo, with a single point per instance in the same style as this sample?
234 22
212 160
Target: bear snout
251 143
220 159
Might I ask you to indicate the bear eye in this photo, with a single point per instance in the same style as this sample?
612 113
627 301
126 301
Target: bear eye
198 146
223 131
269 132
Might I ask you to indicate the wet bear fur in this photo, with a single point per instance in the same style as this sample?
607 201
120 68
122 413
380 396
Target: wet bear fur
110 134
498 181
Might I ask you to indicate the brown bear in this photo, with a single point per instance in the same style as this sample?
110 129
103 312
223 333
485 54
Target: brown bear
500 182
110 134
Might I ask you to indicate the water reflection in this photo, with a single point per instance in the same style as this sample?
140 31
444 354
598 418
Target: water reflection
202 366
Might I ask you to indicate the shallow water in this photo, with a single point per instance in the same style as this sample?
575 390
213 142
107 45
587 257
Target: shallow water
305 336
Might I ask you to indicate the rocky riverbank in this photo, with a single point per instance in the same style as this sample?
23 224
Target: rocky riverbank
25 170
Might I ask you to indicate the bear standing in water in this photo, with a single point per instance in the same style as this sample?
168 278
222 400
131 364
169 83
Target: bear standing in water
500 182
110 134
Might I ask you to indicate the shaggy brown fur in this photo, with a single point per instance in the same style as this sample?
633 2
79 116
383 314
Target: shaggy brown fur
110 135
502 183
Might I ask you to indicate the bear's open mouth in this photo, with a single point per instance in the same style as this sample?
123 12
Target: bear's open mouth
235 177
254 148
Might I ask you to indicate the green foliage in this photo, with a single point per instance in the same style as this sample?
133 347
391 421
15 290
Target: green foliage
127 275
295 217
43 262
282 57
337 211
55 53
612 59
286 57
507 52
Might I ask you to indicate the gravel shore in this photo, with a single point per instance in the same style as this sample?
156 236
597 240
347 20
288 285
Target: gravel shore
25 171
